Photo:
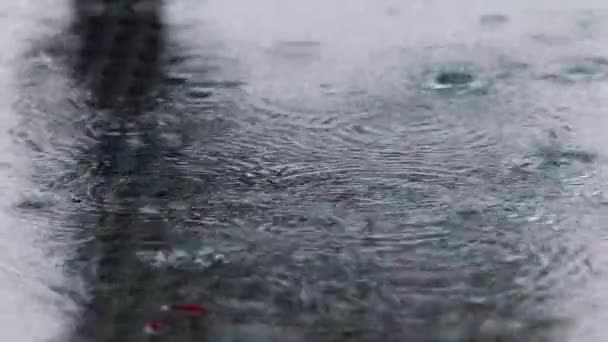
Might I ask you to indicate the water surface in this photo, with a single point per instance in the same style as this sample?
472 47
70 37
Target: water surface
427 171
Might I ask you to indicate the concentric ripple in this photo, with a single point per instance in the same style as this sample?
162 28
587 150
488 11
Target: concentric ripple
578 69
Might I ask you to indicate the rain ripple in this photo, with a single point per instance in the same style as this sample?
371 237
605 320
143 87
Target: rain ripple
581 69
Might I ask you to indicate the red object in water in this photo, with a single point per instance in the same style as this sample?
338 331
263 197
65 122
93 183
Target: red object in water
194 309
155 327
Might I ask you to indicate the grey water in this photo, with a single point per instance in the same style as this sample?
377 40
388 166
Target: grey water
309 171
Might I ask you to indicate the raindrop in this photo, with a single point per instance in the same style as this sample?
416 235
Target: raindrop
576 70
453 78
459 78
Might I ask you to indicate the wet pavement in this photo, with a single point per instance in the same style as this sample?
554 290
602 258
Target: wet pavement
428 171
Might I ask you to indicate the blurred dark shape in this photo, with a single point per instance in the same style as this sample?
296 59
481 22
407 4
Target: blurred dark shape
118 61
121 43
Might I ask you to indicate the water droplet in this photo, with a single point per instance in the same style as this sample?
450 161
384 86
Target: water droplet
458 78
454 78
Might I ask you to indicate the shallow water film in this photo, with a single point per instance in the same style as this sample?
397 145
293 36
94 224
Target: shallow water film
282 170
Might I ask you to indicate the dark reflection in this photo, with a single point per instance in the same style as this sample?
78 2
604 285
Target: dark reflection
120 46
123 293
119 60
454 78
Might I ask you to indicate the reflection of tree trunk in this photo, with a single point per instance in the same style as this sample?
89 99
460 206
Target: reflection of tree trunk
119 51
119 61
125 292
